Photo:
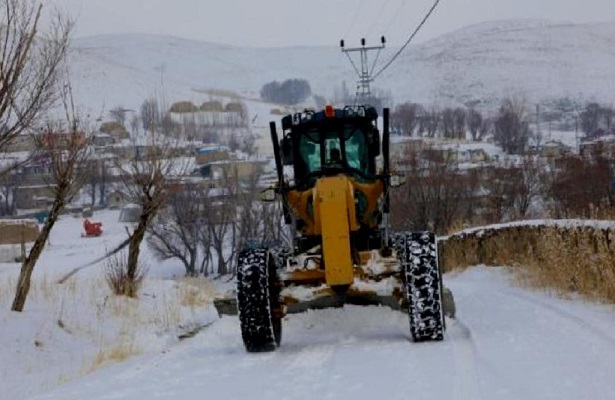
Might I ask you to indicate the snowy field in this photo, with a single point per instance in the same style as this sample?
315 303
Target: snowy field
68 331
507 342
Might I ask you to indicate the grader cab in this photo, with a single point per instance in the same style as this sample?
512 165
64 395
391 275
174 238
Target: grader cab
337 205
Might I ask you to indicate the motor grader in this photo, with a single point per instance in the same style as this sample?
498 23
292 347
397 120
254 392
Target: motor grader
337 206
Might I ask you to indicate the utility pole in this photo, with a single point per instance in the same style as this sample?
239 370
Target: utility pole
365 73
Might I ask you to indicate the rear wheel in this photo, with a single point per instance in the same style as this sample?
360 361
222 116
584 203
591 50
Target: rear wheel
258 290
417 254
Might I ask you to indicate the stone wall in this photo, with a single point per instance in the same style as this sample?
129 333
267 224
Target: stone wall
568 255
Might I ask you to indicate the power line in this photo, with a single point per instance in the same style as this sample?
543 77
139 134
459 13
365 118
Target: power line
353 20
371 28
396 15
416 31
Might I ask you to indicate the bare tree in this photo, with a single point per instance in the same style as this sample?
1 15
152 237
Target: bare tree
459 119
30 66
175 232
66 150
135 125
434 195
448 123
499 183
486 127
405 118
146 179
211 223
92 179
222 221
528 185
475 120
573 194
150 114
512 128
430 122
260 223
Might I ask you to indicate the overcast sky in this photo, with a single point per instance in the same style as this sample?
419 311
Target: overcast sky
312 22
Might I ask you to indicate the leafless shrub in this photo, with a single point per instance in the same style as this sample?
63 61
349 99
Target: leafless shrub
118 278
580 187
435 192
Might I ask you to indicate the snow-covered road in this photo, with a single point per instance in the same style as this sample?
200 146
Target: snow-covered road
507 343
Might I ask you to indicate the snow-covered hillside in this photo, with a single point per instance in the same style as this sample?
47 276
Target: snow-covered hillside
535 59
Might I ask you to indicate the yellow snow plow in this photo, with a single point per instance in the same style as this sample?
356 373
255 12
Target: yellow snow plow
343 252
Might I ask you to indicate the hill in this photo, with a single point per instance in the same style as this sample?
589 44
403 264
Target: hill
482 63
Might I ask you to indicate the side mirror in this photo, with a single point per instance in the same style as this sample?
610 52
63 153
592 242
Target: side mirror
287 151
396 180
267 195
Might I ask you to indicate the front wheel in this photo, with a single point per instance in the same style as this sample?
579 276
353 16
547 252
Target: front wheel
417 254
258 290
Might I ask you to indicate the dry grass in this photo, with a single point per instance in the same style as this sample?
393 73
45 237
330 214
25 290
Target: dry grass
111 355
116 275
577 259
195 292
167 314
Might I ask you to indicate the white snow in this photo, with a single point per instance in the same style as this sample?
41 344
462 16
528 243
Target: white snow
67 331
506 342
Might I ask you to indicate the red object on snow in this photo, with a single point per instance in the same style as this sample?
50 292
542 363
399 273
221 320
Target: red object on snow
92 228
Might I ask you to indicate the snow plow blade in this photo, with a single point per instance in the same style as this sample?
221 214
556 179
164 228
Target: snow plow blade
228 305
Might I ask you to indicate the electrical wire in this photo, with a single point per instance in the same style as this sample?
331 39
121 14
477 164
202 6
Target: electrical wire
396 15
353 20
416 31
373 25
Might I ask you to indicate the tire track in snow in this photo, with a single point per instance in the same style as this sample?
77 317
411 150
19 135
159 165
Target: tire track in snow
466 379
567 315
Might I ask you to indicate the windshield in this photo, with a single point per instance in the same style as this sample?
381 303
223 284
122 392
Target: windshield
345 149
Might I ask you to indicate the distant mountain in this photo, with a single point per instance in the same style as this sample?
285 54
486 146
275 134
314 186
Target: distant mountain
482 63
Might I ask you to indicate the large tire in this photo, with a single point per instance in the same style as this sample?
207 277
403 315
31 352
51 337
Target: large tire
417 254
258 304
